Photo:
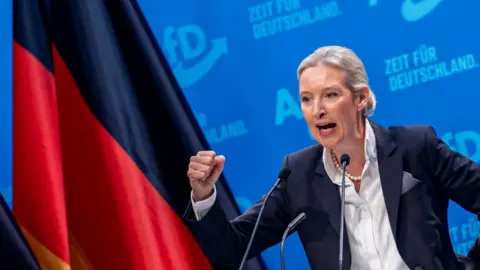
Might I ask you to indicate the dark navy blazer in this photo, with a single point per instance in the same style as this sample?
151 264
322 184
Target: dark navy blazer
412 156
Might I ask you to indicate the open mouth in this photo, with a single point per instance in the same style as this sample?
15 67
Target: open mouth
326 128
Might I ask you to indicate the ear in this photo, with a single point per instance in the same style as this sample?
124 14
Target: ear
363 98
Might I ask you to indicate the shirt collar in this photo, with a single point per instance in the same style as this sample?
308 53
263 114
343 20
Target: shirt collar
370 143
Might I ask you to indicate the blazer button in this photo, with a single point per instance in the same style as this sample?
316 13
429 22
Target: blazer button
418 267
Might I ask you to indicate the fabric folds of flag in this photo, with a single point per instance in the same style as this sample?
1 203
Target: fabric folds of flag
14 250
99 161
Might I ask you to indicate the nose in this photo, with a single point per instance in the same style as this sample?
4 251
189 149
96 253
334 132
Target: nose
318 110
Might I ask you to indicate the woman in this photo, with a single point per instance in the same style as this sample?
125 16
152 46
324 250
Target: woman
399 182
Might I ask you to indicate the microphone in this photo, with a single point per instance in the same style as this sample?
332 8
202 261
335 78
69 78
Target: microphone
283 175
345 160
290 227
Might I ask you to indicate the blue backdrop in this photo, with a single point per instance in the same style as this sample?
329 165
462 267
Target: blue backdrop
6 114
236 62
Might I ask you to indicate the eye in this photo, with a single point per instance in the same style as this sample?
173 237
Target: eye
331 94
306 99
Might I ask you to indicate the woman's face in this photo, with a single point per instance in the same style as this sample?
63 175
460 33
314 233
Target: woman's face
328 106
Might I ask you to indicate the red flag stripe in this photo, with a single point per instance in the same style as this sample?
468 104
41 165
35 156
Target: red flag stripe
118 218
38 191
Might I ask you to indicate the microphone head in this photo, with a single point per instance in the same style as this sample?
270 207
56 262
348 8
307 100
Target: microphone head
284 174
345 159
297 221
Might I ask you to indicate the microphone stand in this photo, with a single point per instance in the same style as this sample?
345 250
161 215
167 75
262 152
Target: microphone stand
282 176
345 160
290 227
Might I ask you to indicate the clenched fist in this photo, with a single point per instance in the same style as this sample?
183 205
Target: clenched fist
203 171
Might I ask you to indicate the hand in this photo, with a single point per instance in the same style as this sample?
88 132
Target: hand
203 171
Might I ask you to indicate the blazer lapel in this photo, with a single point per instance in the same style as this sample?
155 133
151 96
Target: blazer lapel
329 196
390 165
328 193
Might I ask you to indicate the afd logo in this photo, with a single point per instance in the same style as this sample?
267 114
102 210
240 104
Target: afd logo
414 10
196 55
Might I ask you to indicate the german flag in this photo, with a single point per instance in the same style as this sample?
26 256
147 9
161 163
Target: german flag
15 252
99 158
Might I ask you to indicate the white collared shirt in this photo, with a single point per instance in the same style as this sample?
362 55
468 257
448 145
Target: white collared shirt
372 244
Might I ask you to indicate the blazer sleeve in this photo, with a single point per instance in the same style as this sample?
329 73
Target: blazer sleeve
224 241
472 260
474 251
458 176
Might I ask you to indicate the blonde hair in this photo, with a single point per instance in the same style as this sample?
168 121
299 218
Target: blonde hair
346 60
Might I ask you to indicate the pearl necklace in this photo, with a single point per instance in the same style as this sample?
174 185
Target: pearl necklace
335 161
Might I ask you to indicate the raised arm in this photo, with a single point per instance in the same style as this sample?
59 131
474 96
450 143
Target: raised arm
223 241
